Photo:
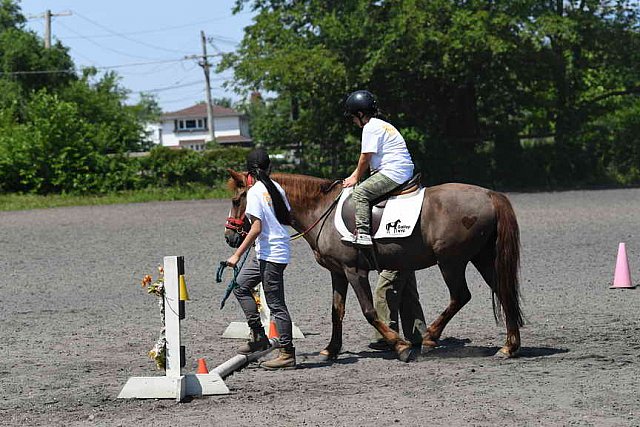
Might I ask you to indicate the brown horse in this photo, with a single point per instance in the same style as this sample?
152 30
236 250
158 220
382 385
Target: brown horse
458 224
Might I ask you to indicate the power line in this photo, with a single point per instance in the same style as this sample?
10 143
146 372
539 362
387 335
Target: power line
107 48
105 67
163 89
186 98
164 30
124 36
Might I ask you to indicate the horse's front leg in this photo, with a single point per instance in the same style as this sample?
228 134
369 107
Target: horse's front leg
360 282
339 284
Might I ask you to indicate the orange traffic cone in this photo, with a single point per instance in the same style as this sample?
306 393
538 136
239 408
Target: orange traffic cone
273 330
202 367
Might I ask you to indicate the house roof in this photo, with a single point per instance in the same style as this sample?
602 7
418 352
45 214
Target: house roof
233 139
200 110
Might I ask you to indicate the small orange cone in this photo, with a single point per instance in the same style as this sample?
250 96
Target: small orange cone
273 330
202 367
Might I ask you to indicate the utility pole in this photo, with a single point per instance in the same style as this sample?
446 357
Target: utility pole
47 25
205 66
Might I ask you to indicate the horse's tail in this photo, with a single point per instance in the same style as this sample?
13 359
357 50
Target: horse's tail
507 262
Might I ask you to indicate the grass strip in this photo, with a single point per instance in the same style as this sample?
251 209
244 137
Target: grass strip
14 202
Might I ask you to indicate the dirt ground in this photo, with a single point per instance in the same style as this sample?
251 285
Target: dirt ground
75 324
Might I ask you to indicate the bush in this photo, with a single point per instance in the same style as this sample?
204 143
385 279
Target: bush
51 152
166 167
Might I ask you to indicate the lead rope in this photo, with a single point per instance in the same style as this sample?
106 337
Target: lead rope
233 283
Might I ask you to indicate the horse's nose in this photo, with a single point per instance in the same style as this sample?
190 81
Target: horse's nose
232 238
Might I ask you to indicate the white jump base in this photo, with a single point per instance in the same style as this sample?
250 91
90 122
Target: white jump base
242 330
174 384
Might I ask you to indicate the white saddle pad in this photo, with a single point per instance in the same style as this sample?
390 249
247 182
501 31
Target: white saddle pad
399 217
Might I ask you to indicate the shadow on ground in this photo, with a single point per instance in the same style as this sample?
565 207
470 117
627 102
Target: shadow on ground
459 348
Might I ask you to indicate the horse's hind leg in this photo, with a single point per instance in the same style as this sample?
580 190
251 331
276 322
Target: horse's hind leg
360 282
453 274
485 264
339 284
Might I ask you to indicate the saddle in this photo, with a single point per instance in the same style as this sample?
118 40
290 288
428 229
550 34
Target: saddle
378 205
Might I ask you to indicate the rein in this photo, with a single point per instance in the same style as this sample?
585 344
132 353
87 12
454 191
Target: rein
324 214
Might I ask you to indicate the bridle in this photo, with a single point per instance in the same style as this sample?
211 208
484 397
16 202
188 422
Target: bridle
240 225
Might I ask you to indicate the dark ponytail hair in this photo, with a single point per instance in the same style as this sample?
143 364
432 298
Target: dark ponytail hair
258 165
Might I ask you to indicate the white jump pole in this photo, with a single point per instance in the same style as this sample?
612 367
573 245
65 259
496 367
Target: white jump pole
174 384
240 360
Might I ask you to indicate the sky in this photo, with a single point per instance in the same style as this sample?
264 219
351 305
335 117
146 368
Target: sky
146 42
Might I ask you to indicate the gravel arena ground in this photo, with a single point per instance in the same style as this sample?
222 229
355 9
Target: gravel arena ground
75 324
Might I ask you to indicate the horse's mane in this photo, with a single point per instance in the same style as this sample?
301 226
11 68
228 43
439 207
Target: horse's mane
303 188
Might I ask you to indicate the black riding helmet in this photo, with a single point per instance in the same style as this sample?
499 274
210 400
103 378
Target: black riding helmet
363 101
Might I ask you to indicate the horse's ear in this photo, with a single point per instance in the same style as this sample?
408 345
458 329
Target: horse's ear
238 180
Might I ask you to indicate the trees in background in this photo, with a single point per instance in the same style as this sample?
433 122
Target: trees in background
60 132
524 93
511 94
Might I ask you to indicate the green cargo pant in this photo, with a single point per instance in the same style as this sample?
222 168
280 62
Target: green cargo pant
374 187
397 292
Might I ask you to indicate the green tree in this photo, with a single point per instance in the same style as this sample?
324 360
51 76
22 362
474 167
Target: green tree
60 132
468 83
23 59
101 101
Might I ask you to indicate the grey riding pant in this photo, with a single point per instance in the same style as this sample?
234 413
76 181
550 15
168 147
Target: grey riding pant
372 188
271 275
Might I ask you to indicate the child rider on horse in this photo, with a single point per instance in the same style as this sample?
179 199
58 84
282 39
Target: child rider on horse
269 212
384 152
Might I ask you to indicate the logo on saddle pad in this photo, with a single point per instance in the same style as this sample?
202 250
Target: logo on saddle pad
397 227
398 215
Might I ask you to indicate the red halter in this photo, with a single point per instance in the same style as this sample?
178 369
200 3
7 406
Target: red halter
236 224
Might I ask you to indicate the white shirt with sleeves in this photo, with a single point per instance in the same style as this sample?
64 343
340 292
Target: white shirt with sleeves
390 154
273 242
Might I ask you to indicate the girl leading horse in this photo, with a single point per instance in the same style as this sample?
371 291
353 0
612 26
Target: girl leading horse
458 224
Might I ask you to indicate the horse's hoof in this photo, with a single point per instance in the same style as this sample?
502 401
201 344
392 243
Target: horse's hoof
429 343
407 355
506 353
326 356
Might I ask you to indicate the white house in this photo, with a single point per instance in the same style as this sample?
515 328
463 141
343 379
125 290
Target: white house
188 128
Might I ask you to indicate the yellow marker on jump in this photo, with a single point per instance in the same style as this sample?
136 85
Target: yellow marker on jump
184 295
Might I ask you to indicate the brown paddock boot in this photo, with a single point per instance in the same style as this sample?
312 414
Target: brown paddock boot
285 360
258 342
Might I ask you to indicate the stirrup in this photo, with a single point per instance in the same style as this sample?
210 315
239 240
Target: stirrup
351 239
363 240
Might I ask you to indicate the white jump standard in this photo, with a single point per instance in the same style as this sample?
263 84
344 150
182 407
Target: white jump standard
174 384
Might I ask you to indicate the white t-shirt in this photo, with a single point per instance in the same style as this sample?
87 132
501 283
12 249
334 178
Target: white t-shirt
390 154
273 242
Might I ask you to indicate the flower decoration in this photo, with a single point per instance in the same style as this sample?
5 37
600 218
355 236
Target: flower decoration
159 351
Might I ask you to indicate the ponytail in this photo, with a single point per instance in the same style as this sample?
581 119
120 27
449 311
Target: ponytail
258 165
279 206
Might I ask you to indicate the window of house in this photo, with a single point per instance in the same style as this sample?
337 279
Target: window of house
191 124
